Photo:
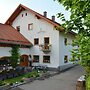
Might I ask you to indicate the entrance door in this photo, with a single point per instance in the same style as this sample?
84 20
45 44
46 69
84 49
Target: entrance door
24 60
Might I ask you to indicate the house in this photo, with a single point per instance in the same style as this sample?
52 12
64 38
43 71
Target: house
49 43
10 37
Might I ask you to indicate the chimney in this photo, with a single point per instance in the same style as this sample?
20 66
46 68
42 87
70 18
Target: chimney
53 18
45 14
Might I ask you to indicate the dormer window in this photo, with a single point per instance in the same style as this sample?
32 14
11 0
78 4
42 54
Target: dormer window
30 26
22 15
18 28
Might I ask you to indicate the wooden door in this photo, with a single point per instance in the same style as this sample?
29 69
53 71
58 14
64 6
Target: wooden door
24 60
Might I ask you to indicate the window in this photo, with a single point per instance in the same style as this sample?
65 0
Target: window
46 59
36 41
65 41
30 26
46 40
18 28
22 15
65 59
35 58
26 14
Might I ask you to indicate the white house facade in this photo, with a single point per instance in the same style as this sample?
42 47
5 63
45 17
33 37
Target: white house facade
49 45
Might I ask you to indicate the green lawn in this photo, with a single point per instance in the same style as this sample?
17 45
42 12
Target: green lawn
13 80
88 83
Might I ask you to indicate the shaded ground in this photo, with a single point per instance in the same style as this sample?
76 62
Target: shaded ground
16 88
63 81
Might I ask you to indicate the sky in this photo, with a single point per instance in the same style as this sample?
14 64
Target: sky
7 7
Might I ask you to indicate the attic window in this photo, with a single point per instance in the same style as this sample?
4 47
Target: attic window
30 26
18 28
22 15
26 14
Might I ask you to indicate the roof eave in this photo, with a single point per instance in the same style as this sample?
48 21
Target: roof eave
14 15
12 43
21 8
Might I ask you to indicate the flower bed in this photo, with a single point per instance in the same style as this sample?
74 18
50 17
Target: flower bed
24 78
19 79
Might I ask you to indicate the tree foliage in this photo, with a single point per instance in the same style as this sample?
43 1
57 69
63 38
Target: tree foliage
14 55
79 21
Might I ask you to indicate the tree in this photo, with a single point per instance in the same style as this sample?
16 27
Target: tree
80 22
14 56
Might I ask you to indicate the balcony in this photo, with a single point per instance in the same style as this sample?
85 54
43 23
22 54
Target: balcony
46 48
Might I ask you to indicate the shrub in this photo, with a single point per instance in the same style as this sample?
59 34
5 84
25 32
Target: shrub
2 83
22 81
88 83
11 84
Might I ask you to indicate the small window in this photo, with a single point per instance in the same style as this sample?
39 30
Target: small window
46 40
65 59
46 59
65 41
30 26
35 58
18 28
26 14
22 15
36 41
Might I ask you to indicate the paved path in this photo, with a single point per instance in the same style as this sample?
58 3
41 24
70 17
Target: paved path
63 81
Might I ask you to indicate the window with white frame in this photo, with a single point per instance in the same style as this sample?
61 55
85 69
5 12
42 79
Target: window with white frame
18 28
46 59
36 41
65 59
25 14
35 58
46 40
30 26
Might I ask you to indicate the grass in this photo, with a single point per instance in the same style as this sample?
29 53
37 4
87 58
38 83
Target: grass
18 79
88 83
13 80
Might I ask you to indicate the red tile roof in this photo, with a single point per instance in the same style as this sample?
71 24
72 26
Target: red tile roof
10 35
21 8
